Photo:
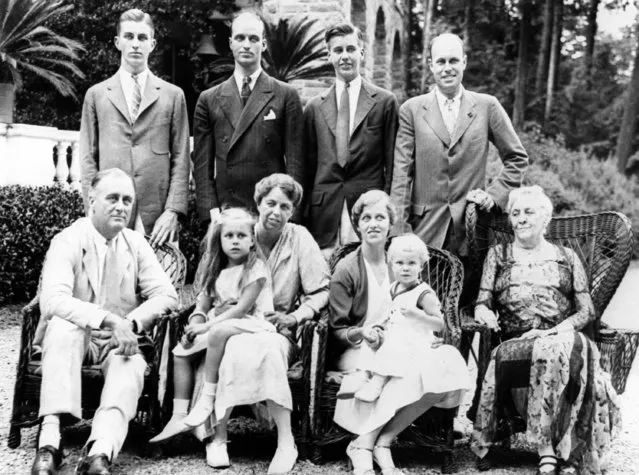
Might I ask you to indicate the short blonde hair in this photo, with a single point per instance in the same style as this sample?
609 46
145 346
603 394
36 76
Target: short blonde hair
538 195
370 198
409 243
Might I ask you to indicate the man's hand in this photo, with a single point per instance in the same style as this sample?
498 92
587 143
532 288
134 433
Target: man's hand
126 340
281 321
486 316
165 228
483 199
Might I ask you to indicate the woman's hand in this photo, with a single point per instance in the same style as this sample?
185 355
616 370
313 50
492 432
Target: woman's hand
373 336
282 321
486 316
535 333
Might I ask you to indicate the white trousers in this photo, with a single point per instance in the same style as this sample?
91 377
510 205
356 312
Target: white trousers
64 349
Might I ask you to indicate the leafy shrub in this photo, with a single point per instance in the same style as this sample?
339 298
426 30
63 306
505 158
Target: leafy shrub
31 216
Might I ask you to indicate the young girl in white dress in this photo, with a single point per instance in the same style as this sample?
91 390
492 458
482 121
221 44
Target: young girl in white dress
235 295
405 328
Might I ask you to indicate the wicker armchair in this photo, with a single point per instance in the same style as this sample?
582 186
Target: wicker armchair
434 429
299 376
26 394
603 241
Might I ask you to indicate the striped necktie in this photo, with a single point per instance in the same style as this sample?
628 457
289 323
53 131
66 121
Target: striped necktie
137 97
246 90
343 127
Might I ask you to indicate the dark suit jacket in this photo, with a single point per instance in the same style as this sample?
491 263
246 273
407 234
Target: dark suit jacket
236 147
154 149
433 172
370 163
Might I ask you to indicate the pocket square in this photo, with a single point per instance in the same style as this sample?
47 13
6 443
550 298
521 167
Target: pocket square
270 115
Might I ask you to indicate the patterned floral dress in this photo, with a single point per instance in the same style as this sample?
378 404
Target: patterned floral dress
555 382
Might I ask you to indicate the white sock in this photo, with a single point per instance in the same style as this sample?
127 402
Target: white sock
102 446
180 407
50 431
209 389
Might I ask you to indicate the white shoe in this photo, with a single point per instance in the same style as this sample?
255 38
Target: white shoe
200 412
175 426
216 455
283 460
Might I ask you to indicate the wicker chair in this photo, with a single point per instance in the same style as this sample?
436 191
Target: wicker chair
299 377
26 394
433 429
603 241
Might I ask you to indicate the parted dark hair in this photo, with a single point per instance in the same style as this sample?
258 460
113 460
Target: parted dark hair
291 188
343 29
135 14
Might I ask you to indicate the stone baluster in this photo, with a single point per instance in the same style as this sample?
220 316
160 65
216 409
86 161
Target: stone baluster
62 168
74 172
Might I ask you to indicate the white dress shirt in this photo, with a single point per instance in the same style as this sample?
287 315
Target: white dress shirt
239 79
353 94
128 84
449 116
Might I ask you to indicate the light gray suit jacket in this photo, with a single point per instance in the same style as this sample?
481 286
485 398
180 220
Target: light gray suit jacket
154 149
433 171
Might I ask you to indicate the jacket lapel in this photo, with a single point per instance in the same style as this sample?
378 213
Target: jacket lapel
434 119
230 102
89 258
151 93
365 103
262 93
116 96
125 258
464 118
329 108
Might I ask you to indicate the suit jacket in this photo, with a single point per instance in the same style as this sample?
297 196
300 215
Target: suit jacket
370 163
70 279
433 172
154 149
236 147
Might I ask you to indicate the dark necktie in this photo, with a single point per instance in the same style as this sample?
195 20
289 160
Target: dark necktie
137 97
246 90
343 129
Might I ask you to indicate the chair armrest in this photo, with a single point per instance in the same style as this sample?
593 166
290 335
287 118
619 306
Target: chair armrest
618 348
469 324
178 319
321 343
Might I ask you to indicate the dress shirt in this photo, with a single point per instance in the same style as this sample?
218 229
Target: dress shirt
100 245
450 117
353 93
239 79
128 84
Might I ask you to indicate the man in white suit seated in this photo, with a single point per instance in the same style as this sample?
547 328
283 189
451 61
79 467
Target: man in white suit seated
102 292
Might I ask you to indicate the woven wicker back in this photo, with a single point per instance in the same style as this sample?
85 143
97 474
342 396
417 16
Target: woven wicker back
603 242
443 272
173 262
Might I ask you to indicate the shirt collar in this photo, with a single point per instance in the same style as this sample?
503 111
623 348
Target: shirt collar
99 240
127 79
441 98
239 78
354 85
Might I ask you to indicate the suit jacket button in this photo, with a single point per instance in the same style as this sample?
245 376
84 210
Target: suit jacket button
267 139
225 139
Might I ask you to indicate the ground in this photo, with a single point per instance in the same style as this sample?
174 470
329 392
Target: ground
251 448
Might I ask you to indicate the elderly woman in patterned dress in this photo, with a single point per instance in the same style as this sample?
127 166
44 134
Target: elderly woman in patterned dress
546 369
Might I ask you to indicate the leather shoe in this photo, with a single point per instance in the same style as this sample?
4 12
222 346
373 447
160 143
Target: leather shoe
47 461
94 465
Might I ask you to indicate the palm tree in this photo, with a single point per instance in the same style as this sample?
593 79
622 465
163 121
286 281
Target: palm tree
296 49
27 45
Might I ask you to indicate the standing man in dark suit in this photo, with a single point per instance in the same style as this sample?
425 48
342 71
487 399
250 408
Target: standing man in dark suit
350 138
246 128
137 122
441 153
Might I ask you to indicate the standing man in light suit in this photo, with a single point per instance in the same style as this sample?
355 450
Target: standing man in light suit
441 153
102 292
137 122
246 128
350 139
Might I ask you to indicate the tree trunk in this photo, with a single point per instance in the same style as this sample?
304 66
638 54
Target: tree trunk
544 48
629 120
429 11
408 46
591 32
555 53
525 7
469 17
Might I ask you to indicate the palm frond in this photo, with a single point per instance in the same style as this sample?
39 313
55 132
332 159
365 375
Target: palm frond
296 49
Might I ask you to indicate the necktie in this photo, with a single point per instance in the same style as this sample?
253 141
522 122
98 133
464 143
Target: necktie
449 115
110 283
137 97
246 90
343 129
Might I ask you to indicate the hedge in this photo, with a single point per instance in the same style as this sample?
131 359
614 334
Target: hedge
31 216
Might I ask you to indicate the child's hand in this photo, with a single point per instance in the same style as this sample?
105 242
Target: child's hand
374 337
412 312
194 329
